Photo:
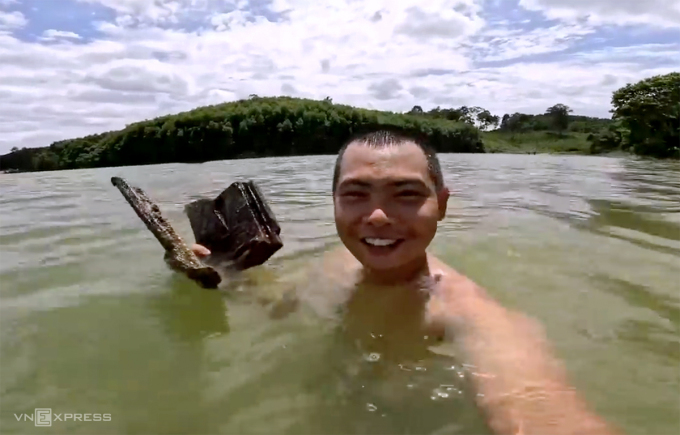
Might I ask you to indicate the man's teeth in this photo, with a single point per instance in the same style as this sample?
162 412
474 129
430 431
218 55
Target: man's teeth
380 242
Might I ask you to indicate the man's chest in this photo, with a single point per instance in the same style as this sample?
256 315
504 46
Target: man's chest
389 324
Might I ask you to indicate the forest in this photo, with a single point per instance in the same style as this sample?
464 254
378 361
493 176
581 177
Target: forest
645 121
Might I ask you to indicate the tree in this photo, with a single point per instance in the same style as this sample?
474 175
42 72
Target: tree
465 114
516 123
486 120
504 122
607 139
559 117
649 111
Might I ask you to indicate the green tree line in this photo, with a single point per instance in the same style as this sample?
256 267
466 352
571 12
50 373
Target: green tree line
556 118
253 127
645 121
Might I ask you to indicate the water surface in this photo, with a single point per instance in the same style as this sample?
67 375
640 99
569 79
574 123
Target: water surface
92 321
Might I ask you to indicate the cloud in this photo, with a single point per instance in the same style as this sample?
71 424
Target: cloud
122 61
137 77
387 89
11 20
510 44
659 13
53 35
424 25
152 11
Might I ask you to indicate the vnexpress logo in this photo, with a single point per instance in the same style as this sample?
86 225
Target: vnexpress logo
40 417
45 417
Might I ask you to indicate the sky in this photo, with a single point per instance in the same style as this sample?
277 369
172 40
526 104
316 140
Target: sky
70 68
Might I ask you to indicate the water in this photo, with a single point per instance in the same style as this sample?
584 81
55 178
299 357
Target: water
92 321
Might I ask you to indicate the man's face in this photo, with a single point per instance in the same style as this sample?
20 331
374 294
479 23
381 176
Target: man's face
386 205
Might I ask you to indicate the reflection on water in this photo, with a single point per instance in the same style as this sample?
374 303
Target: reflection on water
189 316
93 321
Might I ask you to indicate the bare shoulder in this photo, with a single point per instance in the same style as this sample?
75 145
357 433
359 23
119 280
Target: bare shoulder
340 254
338 265
459 298
328 280
452 283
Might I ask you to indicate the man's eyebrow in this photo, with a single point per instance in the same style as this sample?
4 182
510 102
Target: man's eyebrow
407 182
355 182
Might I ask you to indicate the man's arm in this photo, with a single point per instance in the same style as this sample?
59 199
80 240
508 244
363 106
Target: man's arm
521 387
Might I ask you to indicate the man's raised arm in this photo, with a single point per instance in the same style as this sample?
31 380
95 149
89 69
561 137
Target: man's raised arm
521 387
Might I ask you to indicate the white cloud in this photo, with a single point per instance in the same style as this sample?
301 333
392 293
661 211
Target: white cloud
384 54
145 10
52 35
532 87
12 20
508 44
618 12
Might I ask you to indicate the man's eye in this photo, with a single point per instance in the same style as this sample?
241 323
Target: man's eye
354 194
409 194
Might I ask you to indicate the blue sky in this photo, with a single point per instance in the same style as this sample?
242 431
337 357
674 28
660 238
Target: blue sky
70 68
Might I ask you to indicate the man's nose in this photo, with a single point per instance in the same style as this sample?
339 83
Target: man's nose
378 217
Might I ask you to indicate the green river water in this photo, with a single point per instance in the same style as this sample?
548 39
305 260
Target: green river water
92 321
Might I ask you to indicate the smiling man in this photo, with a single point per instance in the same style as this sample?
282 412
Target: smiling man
389 196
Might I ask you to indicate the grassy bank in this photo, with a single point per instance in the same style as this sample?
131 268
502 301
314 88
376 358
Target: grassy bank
538 142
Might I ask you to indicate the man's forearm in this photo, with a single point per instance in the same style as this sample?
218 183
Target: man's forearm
521 386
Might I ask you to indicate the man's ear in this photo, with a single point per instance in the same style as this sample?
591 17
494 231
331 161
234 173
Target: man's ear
442 200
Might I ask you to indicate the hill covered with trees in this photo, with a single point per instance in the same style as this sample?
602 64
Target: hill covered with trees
254 127
646 121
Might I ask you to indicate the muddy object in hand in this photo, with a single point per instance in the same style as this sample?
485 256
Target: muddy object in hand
238 227
178 256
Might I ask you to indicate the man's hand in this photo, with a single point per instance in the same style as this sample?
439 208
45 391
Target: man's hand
200 250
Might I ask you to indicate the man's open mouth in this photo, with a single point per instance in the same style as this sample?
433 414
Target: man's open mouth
375 242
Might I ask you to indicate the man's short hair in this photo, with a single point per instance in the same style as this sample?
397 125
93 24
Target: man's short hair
388 137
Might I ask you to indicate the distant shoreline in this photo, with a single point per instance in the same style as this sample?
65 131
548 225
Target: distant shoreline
287 126
509 152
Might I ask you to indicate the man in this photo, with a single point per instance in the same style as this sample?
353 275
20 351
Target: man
389 195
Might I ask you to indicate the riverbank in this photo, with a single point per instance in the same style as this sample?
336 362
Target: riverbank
493 142
536 142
